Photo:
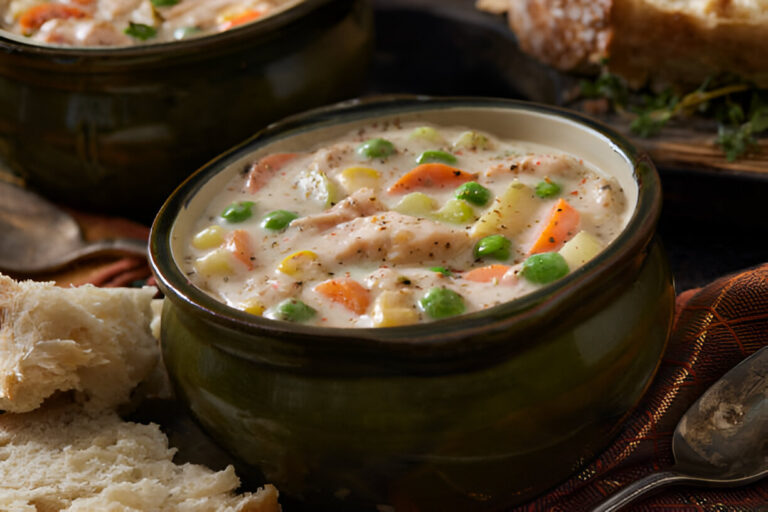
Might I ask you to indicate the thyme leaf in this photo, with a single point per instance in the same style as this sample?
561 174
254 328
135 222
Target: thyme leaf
740 109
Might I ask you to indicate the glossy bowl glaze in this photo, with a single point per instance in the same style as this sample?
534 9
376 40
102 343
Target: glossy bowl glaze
475 412
117 129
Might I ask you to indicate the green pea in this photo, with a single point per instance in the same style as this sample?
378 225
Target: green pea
278 220
442 303
547 189
164 3
442 270
375 148
436 156
474 193
544 268
238 212
140 31
291 310
494 246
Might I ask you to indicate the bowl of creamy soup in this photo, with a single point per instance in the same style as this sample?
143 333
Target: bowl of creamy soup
415 303
84 23
109 104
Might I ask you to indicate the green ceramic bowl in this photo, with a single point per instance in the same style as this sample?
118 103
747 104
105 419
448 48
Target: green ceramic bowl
475 412
117 129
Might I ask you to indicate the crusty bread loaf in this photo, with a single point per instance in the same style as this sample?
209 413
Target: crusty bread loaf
661 42
96 341
64 458
566 34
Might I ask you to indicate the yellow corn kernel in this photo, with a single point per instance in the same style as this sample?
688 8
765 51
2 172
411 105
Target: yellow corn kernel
355 178
391 309
296 263
217 262
208 238
254 307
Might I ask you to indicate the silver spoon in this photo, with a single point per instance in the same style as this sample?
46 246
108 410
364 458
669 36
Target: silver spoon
721 440
36 236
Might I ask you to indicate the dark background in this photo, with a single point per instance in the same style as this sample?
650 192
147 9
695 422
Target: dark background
712 223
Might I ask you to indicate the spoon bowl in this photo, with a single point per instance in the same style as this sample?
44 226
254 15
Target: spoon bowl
721 440
39 237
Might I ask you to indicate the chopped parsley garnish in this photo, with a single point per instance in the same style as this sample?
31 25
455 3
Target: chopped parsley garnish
442 270
140 31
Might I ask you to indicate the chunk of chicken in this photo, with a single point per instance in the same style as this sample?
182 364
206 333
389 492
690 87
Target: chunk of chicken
205 13
608 194
538 165
194 13
360 204
87 32
137 11
549 165
395 238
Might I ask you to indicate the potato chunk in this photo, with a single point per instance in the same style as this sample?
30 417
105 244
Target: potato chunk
509 214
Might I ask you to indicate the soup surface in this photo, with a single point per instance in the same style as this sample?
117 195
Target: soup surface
128 22
399 224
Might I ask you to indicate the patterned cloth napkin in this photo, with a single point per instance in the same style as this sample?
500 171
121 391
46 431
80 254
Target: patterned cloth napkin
716 327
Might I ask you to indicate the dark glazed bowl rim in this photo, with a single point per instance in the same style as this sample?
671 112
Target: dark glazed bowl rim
436 340
14 43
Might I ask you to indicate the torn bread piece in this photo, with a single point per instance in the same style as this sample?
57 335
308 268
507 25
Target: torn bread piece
96 341
68 459
658 42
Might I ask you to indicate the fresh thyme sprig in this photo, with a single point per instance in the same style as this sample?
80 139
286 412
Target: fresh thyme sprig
741 135
740 109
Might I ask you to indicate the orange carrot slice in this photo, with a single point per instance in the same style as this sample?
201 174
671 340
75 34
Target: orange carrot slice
431 175
262 171
239 243
486 274
561 226
347 292
241 19
35 16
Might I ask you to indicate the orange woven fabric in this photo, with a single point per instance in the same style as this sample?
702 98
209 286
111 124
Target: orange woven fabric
716 327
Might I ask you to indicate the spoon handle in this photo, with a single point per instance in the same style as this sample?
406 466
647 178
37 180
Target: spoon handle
635 490
128 246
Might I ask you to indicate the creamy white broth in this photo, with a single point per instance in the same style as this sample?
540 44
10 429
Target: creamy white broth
388 254
128 22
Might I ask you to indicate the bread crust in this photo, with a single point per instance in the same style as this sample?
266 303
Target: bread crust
671 42
664 46
567 34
